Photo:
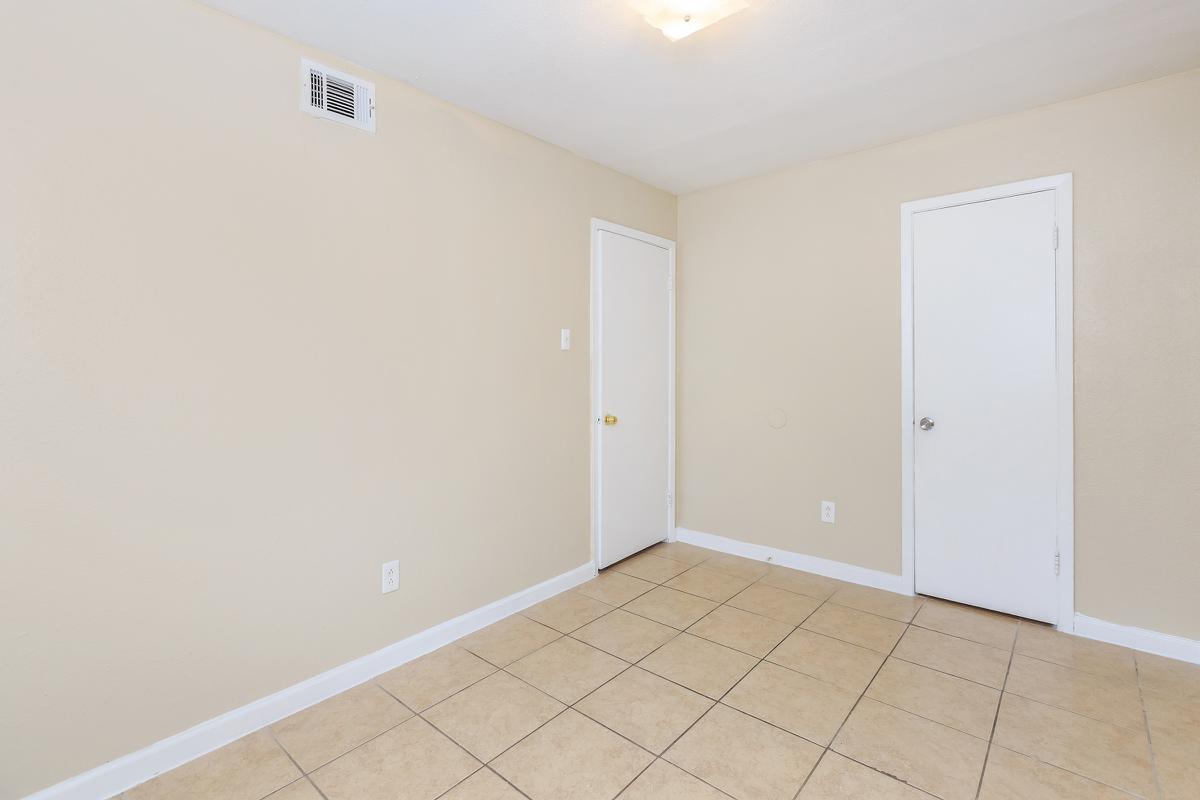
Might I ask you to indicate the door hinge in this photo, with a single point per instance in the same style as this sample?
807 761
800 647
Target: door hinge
670 500
1055 237
1057 563
670 283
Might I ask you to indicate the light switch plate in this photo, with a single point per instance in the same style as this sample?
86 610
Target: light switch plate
565 341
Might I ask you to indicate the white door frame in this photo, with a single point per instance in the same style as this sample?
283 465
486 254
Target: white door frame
1064 363
595 419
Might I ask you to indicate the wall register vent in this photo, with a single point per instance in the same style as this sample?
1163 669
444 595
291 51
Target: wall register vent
334 95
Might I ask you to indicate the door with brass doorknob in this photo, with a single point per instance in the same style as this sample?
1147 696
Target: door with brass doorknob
632 318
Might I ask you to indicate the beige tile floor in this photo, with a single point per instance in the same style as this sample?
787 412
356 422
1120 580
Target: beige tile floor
684 674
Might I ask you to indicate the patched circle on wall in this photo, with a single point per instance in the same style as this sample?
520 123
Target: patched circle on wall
777 418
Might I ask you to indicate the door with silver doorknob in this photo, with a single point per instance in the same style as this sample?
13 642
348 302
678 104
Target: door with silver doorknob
632 447
984 469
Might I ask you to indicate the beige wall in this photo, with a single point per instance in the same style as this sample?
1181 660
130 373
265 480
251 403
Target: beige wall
246 356
789 299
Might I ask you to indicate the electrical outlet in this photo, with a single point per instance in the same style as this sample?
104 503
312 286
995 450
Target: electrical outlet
391 576
828 511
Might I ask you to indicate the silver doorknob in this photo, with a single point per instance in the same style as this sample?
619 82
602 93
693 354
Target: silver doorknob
926 424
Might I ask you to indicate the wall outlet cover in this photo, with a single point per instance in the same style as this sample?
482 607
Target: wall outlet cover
391 576
828 511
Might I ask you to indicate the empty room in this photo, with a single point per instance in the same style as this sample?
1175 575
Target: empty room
600 400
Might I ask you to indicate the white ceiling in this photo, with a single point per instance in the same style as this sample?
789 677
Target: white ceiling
782 82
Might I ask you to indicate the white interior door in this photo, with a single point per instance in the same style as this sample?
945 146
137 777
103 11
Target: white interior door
633 363
985 397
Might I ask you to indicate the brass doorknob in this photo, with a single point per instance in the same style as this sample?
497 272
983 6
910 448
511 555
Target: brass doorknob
609 419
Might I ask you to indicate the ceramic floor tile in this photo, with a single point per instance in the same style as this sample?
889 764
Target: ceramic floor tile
955 702
300 790
665 781
744 757
319 734
1169 676
970 660
843 664
965 622
1045 643
572 758
777 604
704 582
741 630
856 627
410 762
670 607
507 640
1178 770
793 701
1012 776
839 778
483 785
614 588
248 769
703 666
650 567
432 678
567 611
689 554
567 669
793 580
493 714
625 635
737 566
1110 700
1173 717
1106 753
936 759
645 708
878 602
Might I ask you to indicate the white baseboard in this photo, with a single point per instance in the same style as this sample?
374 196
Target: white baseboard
821 566
1163 644
130 770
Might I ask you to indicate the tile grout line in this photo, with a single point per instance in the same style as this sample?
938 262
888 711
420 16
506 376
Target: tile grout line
677 633
987 753
759 660
1137 669
659 757
827 600
303 775
717 701
482 768
1055 766
571 707
942 672
853 708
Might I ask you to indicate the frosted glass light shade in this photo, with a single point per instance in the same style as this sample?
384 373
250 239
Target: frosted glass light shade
679 18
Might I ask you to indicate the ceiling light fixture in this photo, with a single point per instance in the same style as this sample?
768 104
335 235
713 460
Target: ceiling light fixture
679 18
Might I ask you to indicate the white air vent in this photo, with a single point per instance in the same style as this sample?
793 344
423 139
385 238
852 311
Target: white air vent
334 95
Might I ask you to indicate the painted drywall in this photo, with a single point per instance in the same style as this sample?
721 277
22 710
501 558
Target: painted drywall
789 299
247 356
